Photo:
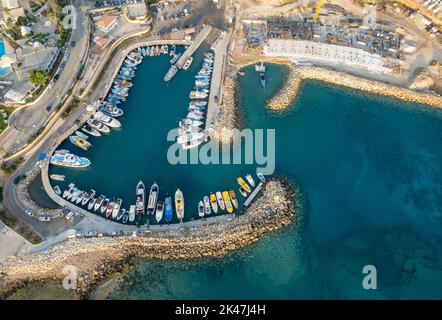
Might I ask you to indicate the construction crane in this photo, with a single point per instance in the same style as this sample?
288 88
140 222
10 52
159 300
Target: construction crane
318 8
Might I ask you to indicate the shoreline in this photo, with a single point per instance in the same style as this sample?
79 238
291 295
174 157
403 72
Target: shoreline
97 258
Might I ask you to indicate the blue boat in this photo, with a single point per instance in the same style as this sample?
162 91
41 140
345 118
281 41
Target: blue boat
113 100
168 210
111 110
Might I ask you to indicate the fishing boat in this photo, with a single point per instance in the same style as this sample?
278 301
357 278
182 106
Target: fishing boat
187 129
243 184
261 69
80 142
220 200
187 63
213 203
125 217
198 103
65 159
80 197
132 213
190 122
197 95
201 209
109 121
140 200
71 193
111 111
88 196
261 177
175 58
207 209
82 135
250 179
171 73
194 116
57 177
172 50
116 208
187 137
110 209
95 124
153 196
57 190
179 204
98 203
75 195
120 214
168 212
104 205
68 190
91 203
243 192
192 144
200 83
233 198
88 129
227 201
159 211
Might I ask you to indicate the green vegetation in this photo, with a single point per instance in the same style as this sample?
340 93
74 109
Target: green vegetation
72 106
62 37
4 114
38 77
10 166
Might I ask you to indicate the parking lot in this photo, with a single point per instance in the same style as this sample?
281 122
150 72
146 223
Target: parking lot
115 3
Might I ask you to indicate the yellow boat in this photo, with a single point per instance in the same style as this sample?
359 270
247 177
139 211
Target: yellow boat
227 201
243 184
80 142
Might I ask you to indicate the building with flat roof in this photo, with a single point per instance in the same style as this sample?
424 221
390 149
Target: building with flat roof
37 57
106 23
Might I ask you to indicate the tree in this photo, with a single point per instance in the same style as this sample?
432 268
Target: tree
38 77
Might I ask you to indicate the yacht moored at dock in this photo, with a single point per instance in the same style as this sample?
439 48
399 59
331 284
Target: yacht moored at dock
65 159
159 211
153 196
179 204
213 203
233 198
168 212
219 198
243 184
140 200
227 201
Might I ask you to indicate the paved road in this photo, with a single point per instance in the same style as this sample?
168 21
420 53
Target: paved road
27 121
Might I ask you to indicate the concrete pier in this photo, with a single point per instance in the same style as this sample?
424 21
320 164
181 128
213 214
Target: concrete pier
253 195
202 35
215 96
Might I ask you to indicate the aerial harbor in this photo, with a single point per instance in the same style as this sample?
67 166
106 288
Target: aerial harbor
266 149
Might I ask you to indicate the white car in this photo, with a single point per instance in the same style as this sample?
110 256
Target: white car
29 212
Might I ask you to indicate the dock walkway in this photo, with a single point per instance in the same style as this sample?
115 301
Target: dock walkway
215 96
253 195
194 46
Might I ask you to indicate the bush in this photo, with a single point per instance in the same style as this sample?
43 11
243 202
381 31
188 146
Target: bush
38 77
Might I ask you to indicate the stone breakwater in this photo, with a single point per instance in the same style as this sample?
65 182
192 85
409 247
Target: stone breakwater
23 193
285 97
228 117
97 258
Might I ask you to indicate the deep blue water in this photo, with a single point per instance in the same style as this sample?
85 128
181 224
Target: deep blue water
369 170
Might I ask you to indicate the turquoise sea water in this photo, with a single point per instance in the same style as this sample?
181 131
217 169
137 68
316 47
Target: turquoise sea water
3 71
369 169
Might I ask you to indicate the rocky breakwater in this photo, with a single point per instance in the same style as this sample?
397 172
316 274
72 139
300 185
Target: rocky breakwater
284 98
94 259
227 120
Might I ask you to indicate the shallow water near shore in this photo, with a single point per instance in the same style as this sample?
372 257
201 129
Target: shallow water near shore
368 167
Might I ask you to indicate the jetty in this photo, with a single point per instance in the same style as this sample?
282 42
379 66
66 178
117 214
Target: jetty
220 48
253 195
202 35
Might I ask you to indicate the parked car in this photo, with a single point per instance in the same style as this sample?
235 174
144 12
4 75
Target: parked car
29 212
48 108
44 218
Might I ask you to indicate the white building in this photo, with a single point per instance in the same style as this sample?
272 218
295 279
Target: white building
323 52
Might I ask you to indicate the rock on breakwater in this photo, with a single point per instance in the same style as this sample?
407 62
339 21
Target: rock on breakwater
285 97
96 258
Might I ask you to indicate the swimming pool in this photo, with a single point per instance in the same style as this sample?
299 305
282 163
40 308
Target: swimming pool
3 71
